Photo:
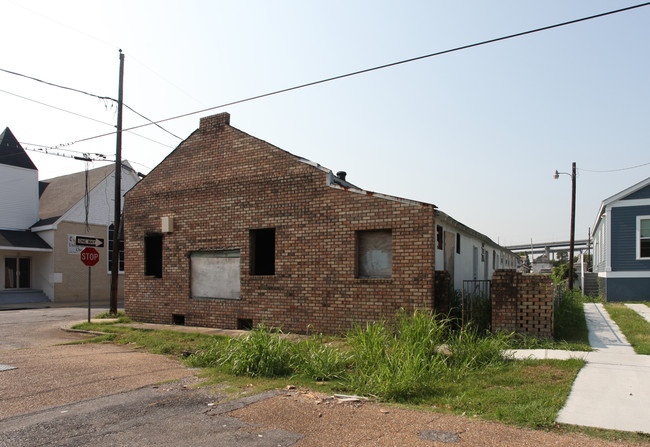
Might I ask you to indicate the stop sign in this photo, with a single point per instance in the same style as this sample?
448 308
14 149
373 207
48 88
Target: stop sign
89 256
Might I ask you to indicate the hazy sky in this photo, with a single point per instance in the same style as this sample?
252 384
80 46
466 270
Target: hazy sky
479 132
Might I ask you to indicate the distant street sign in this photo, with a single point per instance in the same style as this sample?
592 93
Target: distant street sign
89 256
89 241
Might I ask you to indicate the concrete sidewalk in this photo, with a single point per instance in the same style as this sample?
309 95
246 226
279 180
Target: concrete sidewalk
641 309
613 390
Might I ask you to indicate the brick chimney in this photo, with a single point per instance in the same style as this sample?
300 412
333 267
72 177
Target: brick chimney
214 122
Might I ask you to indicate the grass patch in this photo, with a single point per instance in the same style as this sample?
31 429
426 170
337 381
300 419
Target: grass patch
570 324
120 315
635 328
157 342
525 393
415 359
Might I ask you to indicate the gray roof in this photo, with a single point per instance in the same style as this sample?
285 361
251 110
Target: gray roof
12 153
62 193
22 239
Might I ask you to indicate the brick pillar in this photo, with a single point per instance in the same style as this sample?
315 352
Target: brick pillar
522 303
505 295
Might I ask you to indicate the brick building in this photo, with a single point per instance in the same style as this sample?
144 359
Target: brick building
230 231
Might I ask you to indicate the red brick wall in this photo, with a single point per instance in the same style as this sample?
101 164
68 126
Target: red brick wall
219 184
522 303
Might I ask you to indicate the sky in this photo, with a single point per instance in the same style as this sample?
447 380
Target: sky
478 132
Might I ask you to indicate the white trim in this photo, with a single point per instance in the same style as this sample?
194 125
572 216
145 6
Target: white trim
626 192
14 249
633 202
608 239
638 237
53 226
639 274
620 195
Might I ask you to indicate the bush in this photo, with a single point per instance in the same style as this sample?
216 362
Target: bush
569 320
260 353
317 361
410 358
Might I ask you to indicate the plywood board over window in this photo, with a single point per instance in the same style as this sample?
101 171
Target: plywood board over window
375 254
215 274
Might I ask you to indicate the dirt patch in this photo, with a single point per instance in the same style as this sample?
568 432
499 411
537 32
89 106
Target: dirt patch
327 422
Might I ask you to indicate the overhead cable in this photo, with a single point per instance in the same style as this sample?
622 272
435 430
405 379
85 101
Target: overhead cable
103 98
379 67
615 170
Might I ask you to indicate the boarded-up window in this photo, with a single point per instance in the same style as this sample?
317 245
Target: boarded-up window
215 274
375 254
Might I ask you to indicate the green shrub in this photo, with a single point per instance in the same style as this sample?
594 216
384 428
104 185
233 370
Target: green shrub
410 358
261 353
569 320
317 361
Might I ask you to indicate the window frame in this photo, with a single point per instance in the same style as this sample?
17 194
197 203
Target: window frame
639 237
440 237
359 234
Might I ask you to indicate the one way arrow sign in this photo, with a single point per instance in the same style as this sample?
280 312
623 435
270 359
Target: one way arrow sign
89 241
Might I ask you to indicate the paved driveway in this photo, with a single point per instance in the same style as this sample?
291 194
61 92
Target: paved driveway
39 327
45 375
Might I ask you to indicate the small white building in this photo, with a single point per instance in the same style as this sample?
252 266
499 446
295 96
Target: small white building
39 222
467 254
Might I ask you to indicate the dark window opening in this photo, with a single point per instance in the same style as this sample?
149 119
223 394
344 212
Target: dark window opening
262 251
245 324
178 319
110 251
375 254
153 245
458 243
439 238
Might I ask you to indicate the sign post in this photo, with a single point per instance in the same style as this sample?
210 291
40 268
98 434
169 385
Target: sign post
90 257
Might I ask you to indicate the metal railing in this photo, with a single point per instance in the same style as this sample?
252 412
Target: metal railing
477 304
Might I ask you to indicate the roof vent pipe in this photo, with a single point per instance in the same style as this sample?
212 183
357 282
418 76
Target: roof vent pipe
341 175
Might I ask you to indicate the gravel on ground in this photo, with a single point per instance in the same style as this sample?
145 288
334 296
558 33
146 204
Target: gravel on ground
326 422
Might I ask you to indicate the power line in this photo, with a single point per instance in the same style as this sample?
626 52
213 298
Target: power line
103 98
82 116
56 108
88 157
379 67
616 170
405 61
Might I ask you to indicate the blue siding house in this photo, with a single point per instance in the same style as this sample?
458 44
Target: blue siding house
621 238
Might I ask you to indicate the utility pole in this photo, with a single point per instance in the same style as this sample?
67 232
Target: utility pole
573 218
115 258
573 223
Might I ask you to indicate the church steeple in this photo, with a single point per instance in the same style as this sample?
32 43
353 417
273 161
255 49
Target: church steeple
12 153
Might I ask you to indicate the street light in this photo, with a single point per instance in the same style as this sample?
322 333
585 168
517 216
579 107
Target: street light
573 217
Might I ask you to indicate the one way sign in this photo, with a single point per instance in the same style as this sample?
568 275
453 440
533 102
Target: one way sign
89 241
